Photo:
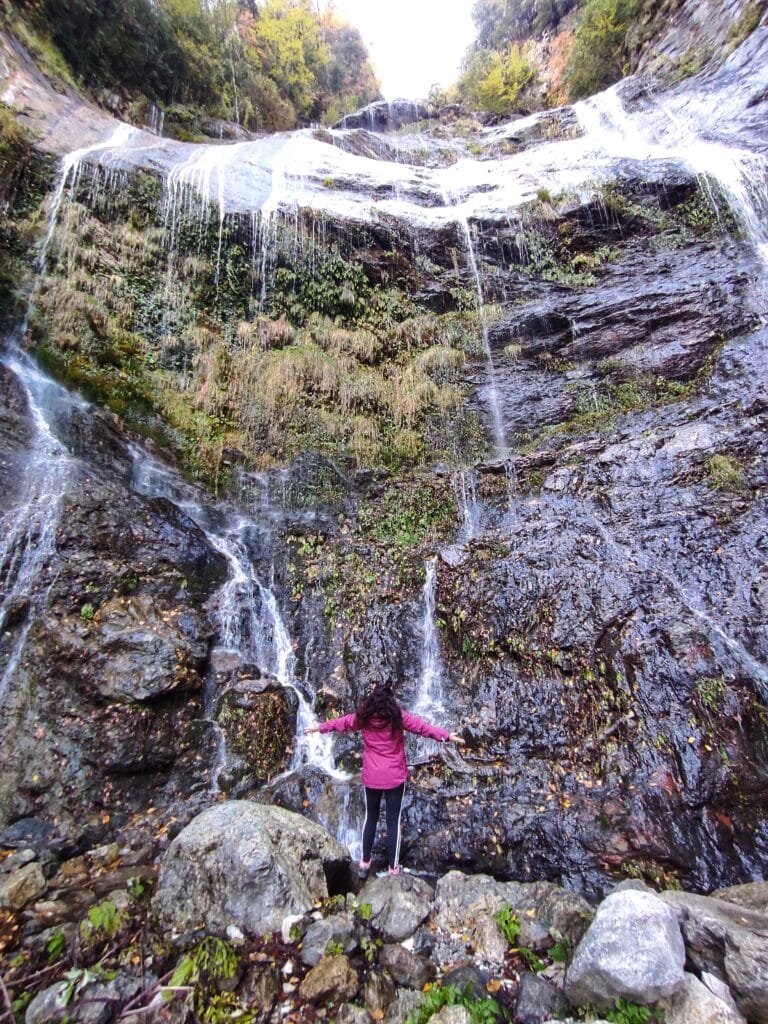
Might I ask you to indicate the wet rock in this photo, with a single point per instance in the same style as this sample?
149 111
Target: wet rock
258 722
245 864
383 117
399 904
467 976
333 976
338 928
20 887
378 993
406 968
143 652
632 950
730 942
695 1004
538 1000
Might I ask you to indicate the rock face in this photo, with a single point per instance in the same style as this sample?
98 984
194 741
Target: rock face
247 865
729 941
632 950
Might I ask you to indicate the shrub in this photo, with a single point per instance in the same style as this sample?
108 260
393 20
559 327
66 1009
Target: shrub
600 54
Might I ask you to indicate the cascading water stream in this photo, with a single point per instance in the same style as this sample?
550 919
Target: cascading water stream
429 700
246 610
28 530
741 174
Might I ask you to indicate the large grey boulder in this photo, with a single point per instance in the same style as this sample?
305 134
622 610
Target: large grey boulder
632 950
730 942
245 864
546 912
695 1004
398 904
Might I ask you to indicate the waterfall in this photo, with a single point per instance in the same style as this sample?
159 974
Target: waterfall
247 614
28 531
740 173
465 486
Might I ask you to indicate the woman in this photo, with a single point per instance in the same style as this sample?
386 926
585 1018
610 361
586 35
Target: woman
383 723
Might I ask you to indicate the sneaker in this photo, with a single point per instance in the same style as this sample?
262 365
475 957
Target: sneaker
365 865
396 870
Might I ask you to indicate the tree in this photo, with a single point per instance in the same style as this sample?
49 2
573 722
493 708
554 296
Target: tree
600 55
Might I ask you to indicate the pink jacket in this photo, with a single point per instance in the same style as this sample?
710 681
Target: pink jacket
384 764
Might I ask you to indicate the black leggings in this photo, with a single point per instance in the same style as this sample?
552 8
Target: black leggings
394 801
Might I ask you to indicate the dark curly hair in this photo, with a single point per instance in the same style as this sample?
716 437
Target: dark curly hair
379 709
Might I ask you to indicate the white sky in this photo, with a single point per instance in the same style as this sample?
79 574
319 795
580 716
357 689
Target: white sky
413 43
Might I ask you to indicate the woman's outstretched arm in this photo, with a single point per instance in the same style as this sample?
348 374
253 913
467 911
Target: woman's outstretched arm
412 723
344 724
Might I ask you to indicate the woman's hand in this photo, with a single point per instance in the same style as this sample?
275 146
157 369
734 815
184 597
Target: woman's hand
311 728
455 737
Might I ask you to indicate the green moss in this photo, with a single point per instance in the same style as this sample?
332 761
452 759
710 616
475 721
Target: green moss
725 473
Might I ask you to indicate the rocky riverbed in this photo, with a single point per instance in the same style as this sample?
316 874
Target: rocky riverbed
257 914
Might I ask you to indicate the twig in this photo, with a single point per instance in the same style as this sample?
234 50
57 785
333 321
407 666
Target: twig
16 982
163 989
6 998
146 992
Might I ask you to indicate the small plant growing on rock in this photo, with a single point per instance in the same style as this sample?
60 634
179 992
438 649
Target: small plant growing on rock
626 1012
725 473
103 918
87 612
481 1011
508 923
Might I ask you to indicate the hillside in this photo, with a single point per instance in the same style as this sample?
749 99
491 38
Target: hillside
261 66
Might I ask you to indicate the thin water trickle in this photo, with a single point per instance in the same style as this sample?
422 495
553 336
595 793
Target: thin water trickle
247 613
28 530
692 604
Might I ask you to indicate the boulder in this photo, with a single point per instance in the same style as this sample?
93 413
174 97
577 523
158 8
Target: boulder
339 928
752 895
695 1004
406 968
730 942
398 904
378 993
20 887
333 976
546 912
632 950
538 1000
245 864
